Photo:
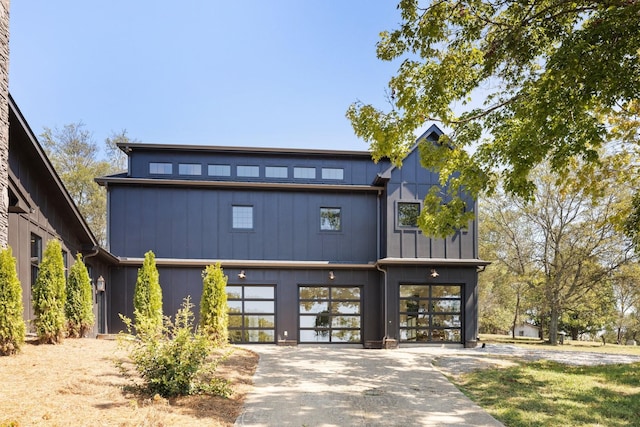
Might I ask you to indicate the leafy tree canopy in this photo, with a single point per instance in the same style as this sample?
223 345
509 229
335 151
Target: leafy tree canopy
559 80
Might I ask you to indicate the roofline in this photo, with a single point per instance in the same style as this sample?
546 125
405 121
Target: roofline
106 180
50 169
240 263
435 262
127 147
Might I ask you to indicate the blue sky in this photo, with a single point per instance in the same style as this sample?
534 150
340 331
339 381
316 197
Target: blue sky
277 73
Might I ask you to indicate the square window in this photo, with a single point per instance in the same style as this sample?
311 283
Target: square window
276 172
242 217
219 170
408 214
333 173
248 171
304 173
330 219
161 168
189 169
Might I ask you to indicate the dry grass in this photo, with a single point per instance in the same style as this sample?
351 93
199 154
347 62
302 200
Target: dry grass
77 383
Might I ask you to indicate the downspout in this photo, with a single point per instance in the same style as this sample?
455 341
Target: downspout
384 305
384 272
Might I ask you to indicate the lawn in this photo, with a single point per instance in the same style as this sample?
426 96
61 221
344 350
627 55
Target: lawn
77 383
550 394
569 345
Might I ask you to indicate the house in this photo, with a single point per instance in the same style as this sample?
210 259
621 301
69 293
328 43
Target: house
40 209
319 246
526 330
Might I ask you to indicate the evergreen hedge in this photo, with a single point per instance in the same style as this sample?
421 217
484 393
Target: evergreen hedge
214 317
79 303
147 297
12 327
49 297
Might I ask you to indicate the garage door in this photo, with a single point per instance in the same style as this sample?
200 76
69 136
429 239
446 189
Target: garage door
251 313
431 313
330 314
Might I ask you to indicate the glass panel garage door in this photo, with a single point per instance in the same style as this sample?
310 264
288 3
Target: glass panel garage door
330 314
431 313
251 313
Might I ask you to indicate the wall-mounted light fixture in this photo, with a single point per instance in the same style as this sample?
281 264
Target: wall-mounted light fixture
331 275
100 285
434 273
241 275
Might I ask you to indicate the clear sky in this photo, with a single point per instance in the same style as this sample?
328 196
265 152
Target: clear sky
278 73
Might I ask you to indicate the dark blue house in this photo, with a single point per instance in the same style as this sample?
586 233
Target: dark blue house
319 246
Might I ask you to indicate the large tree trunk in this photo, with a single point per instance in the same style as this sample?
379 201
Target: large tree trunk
554 317
515 317
4 123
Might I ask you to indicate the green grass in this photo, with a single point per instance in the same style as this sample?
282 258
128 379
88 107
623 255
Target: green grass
545 393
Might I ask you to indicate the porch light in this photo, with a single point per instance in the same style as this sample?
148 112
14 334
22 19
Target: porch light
241 275
331 275
100 286
434 273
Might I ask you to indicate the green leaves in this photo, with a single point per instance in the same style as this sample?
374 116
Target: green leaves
214 317
49 295
12 327
79 304
550 78
147 297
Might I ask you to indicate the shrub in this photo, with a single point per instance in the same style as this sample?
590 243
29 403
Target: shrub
174 362
214 317
79 304
12 327
49 295
147 297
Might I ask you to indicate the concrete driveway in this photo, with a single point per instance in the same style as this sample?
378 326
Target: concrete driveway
339 386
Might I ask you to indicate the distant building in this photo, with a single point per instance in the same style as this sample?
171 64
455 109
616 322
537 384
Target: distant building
527 330
320 246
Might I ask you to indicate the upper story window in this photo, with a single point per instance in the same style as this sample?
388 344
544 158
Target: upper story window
408 214
333 173
304 173
219 170
248 171
242 217
190 169
330 219
276 172
161 168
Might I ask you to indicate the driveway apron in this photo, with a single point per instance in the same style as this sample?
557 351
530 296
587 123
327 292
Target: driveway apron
339 386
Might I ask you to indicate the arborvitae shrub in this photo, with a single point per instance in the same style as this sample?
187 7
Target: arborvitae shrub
214 317
12 327
79 304
49 295
147 297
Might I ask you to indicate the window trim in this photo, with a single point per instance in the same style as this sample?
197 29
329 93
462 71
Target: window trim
152 164
233 218
331 230
397 214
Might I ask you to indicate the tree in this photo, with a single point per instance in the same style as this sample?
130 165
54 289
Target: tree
147 297
559 81
12 327
79 303
626 291
75 157
49 295
214 317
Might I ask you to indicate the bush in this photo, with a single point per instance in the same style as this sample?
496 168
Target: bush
49 295
214 317
79 304
147 297
12 327
174 362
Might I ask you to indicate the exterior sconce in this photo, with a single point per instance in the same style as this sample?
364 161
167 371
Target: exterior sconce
434 273
241 275
100 285
331 275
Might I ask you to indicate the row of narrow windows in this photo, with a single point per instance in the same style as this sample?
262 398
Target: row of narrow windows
246 171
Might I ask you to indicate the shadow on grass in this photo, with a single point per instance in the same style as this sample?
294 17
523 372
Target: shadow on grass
552 394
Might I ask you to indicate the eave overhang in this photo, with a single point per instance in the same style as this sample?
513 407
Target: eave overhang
263 186
241 263
433 262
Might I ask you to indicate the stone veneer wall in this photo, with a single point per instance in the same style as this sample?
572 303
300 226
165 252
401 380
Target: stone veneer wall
4 122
